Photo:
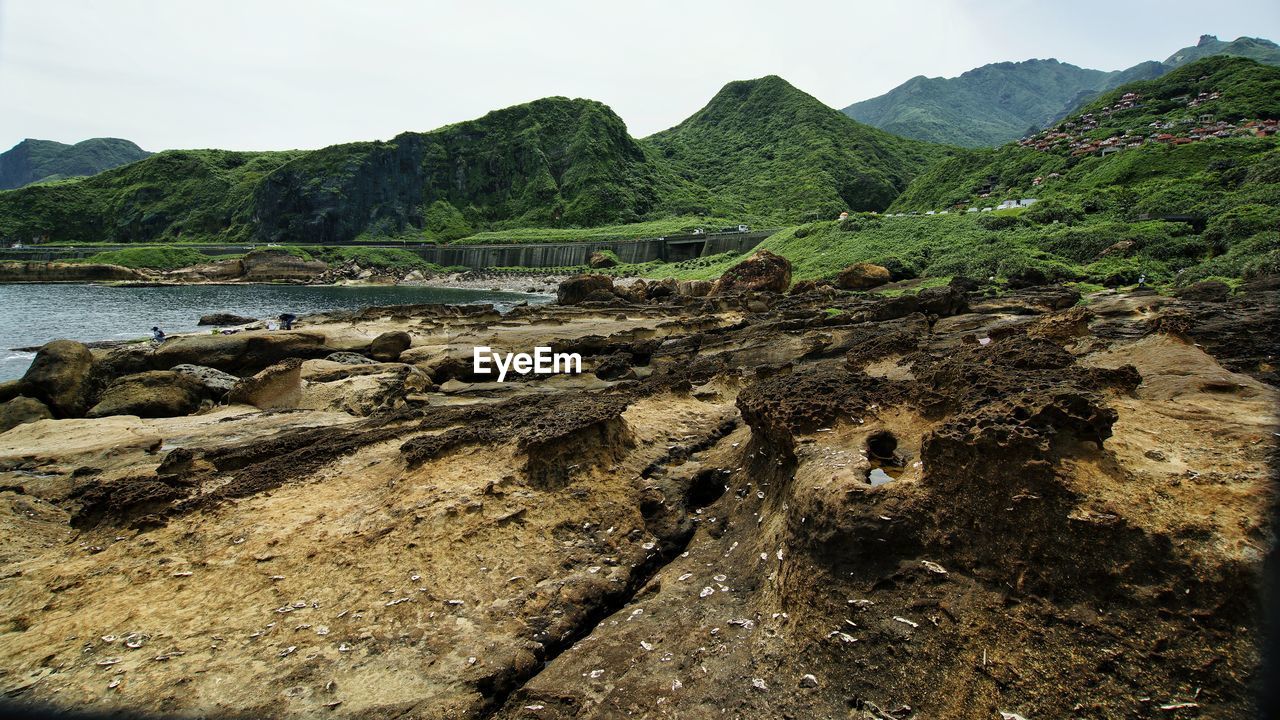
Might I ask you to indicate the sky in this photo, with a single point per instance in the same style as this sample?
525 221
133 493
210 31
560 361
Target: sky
280 74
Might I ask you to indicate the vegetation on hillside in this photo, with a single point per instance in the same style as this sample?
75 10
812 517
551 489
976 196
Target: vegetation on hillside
35 161
770 152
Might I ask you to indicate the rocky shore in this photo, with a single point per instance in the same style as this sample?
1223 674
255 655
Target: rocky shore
755 501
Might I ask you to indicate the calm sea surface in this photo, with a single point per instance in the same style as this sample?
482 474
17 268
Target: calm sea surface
32 314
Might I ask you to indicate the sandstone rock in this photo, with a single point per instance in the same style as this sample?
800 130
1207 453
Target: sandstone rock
637 291
223 319
350 358
65 272
694 288
388 346
215 382
577 288
59 376
663 288
615 367
763 271
862 276
220 270
277 387
152 394
10 389
241 353
1205 291
599 260
262 265
21 410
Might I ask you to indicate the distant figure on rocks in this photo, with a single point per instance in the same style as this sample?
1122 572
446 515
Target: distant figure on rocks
286 321
157 335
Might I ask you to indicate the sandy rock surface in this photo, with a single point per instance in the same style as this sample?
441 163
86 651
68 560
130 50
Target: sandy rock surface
937 505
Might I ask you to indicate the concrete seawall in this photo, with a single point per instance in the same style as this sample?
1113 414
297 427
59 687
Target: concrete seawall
528 255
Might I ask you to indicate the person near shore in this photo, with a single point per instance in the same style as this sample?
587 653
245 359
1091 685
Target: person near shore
157 335
287 320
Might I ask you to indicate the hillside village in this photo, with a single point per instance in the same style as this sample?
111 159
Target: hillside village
1079 137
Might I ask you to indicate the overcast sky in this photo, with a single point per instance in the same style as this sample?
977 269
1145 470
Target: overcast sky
262 74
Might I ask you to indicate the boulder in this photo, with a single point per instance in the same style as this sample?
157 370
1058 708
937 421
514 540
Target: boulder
239 354
59 376
10 389
637 291
151 394
224 319
694 288
350 358
277 387
862 276
663 288
388 346
263 265
22 410
1205 291
215 382
575 289
763 271
600 260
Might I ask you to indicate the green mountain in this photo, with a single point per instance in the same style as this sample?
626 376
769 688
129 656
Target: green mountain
1264 51
33 161
760 151
762 148
997 103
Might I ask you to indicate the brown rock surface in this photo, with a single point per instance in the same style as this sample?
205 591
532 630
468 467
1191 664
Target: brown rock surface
862 276
60 377
1058 522
763 271
152 394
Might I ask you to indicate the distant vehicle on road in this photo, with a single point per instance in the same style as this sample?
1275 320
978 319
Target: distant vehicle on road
738 229
699 231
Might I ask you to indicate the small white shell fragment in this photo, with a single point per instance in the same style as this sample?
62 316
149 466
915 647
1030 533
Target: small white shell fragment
719 578
115 683
705 592
646 645
135 641
647 546
109 638
933 567
322 630
288 651
905 621
108 661
595 674
684 577
758 683
184 573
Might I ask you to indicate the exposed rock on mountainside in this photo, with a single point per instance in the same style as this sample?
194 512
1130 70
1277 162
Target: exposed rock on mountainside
831 505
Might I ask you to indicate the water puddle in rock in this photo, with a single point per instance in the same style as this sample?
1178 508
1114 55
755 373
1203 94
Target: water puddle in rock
884 474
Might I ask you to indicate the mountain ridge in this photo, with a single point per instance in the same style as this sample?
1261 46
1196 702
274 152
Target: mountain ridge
998 102
554 162
34 161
